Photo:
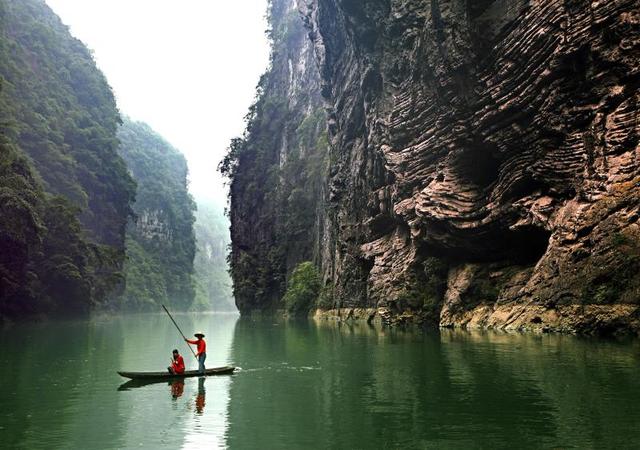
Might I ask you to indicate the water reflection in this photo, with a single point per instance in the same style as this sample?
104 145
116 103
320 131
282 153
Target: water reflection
53 368
60 384
177 389
324 385
357 386
200 396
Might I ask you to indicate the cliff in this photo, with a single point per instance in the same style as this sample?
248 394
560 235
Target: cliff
483 163
161 242
277 169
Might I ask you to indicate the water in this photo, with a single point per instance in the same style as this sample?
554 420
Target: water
303 384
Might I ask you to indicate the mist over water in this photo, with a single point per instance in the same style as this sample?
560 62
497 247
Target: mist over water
320 385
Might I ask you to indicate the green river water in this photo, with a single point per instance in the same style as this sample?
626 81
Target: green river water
308 385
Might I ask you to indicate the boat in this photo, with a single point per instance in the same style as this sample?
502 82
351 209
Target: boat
160 376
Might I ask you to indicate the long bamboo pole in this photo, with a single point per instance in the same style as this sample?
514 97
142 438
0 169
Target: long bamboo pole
174 322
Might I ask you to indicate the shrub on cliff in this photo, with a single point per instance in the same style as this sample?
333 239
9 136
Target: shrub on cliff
303 289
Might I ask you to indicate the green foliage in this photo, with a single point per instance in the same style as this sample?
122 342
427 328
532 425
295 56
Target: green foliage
46 264
62 114
67 272
277 170
21 230
65 193
275 201
161 242
303 289
146 286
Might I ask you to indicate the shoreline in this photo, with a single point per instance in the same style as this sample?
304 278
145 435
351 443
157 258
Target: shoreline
598 320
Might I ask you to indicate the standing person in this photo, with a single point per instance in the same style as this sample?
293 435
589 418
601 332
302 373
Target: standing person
177 363
201 349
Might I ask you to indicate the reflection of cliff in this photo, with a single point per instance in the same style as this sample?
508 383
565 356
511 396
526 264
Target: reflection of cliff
141 406
147 408
576 378
341 386
60 385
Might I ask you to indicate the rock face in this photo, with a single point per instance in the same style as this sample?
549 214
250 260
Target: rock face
277 169
153 225
484 160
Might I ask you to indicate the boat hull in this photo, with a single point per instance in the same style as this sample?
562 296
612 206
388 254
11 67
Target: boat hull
226 370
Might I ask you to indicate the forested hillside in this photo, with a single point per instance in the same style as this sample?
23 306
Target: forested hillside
66 193
213 288
160 238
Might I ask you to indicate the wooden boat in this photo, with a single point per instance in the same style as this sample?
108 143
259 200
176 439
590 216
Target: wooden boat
160 376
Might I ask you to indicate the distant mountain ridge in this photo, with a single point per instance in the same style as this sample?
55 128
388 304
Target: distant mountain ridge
213 282
95 211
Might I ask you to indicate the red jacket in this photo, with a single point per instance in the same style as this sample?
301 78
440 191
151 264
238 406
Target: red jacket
178 365
202 345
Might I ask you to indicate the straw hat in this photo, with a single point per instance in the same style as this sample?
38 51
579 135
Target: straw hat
198 333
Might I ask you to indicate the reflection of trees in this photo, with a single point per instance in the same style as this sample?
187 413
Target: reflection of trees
53 398
144 349
60 383
351 385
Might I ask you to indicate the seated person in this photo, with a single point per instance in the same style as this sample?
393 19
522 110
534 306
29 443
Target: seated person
177 364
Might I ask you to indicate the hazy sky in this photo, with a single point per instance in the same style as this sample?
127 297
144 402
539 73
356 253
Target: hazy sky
188 68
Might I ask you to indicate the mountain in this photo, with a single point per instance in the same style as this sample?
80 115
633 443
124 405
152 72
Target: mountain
160 238
481 166
213 283
277 170
66 193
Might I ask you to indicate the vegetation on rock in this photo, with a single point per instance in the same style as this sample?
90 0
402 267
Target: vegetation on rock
65 193
303 289
277 170
58 108
469 176
160 239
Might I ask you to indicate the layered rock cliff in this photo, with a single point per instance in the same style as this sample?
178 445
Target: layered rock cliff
483 163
